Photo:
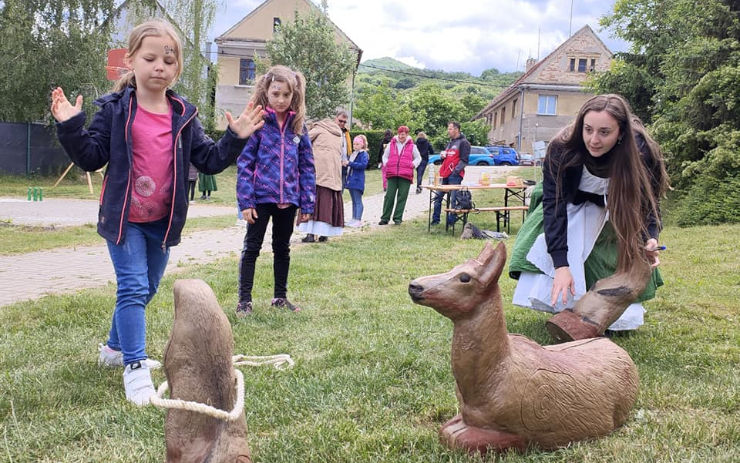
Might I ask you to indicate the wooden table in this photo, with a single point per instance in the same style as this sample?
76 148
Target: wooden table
515 193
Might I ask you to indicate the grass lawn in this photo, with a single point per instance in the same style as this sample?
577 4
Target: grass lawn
372 380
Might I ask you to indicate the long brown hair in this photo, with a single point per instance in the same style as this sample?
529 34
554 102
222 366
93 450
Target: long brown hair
153 28
297 85
632 197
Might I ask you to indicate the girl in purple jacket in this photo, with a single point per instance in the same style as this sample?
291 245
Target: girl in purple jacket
275 178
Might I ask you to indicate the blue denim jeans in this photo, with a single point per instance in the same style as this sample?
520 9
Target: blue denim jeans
357 206
139 263
453 179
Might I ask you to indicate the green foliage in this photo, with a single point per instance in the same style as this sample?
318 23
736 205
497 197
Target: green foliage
44 44
307 45
390 93
682 75
709 202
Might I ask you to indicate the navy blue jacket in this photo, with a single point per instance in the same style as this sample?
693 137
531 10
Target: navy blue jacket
107 141
356 172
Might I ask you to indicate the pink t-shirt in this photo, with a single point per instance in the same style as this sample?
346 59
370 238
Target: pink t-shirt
151 140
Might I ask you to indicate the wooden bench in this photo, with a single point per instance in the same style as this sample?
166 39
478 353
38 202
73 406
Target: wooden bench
502 213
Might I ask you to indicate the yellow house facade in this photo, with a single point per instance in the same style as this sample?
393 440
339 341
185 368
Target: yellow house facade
247 39
548 95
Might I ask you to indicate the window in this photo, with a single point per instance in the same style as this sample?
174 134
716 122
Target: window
276 24
503 115
593 65
495 116
246 71
513 109
572 67
582 65
546 104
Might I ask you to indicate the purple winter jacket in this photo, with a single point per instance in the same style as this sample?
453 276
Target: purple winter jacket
276 166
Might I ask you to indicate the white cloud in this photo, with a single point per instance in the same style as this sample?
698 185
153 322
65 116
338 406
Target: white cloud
466 35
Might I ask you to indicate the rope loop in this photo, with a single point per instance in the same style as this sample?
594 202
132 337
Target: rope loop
281 362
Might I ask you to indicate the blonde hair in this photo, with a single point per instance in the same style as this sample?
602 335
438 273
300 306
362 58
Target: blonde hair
153 28
296 84
364 141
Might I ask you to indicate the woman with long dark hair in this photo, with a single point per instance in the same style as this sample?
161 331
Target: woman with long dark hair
603 177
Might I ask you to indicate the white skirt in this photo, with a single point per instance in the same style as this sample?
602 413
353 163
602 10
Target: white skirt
533 290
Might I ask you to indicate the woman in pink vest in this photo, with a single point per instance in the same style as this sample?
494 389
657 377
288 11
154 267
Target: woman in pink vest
400 159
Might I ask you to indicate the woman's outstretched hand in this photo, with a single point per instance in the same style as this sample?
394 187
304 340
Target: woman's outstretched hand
652 252
562 284
61 108
248 121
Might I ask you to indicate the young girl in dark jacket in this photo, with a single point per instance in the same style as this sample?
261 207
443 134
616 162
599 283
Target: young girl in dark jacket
148 136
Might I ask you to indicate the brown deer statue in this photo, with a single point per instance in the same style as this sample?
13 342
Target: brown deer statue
198 365
601 306
512 392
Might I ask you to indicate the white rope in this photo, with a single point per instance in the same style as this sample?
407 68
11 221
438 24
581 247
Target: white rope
279 360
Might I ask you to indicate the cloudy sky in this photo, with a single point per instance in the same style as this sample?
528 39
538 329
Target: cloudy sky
453 35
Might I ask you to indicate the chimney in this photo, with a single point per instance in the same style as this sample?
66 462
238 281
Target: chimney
530 62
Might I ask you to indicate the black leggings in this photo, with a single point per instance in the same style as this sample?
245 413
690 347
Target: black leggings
191 188
282 229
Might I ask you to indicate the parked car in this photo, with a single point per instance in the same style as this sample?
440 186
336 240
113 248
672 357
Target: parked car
482 156
504 155
526 159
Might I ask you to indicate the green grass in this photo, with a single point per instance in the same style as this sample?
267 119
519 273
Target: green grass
372 381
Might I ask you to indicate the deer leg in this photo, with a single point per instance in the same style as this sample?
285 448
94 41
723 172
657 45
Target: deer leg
601 306
455 434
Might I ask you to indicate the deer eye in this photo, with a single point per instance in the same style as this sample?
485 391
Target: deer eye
465 278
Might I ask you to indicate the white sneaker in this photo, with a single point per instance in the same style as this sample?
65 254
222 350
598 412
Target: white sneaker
114 358
356 224
137 381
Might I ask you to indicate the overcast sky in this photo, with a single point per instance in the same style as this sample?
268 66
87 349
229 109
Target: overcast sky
452 35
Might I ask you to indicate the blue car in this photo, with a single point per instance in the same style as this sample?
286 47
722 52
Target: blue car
483 156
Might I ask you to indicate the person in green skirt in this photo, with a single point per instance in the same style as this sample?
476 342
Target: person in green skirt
206 184
595 213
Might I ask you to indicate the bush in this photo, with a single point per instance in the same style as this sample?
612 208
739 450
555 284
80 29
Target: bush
709 201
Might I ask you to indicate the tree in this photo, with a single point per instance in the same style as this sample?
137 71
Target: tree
307 45
49 43
682 75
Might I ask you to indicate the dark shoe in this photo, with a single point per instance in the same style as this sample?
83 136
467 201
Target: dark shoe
323 239
281 302
436 222
383 222
203 197
243 309
397 223
309 239
418 190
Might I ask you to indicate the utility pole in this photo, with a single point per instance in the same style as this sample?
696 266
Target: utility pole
570 22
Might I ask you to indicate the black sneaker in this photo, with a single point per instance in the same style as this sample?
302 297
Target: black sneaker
418 190
323 239
383 222
243 309
308 239
280 302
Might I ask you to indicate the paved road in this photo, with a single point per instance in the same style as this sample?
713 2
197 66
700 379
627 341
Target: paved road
63 270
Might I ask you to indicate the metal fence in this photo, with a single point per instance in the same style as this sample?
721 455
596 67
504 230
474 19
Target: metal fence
28 148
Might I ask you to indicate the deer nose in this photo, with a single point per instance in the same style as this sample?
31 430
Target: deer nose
415 291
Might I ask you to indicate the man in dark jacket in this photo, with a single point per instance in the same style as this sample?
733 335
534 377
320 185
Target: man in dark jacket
425 149
454 159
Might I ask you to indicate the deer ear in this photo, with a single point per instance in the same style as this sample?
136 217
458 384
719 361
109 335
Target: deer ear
493 263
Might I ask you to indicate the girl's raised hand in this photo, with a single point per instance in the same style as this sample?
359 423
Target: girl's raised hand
248 121
61 108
